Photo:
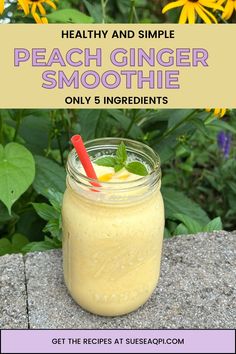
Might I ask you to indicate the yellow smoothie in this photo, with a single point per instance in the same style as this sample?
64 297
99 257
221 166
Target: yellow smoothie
112 241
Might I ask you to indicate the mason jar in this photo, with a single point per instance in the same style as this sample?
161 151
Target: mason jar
112 232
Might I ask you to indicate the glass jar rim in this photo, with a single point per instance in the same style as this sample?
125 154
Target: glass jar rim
106 142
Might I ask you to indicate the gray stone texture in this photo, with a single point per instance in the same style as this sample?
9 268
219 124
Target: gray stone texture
13 302
197 289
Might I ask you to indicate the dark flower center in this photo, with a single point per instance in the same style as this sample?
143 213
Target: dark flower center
193 0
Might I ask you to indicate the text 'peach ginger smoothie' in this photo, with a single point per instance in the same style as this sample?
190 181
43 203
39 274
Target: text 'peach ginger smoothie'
113 229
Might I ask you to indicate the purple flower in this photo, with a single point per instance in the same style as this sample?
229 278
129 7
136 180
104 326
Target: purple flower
224 143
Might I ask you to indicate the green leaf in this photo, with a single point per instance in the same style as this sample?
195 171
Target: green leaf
168 179
35 130
18 242
214 225
106 161
192 226
39 246
222 125
118 167
177 202
5 246
232 202
49 175
45 211
9 134
95 10
5 216
121 154
17 171
181 230
186 167
167 233
56 243
137 168
199 125
165 151
55 199
69 16
54 228
90 121
232 186
176 116
125 122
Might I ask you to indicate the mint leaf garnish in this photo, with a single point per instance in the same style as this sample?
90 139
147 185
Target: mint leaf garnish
117 168
137 168
121 154
119 161
108 161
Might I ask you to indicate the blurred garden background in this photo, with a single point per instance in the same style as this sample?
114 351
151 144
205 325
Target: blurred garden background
117 11
197 147
197 150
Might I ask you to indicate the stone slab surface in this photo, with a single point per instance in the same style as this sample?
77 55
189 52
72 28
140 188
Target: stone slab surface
13 302
197 289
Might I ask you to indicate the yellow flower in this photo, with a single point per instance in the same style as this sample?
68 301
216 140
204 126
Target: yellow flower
36 5
229 8
218 112
193 8
1 6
